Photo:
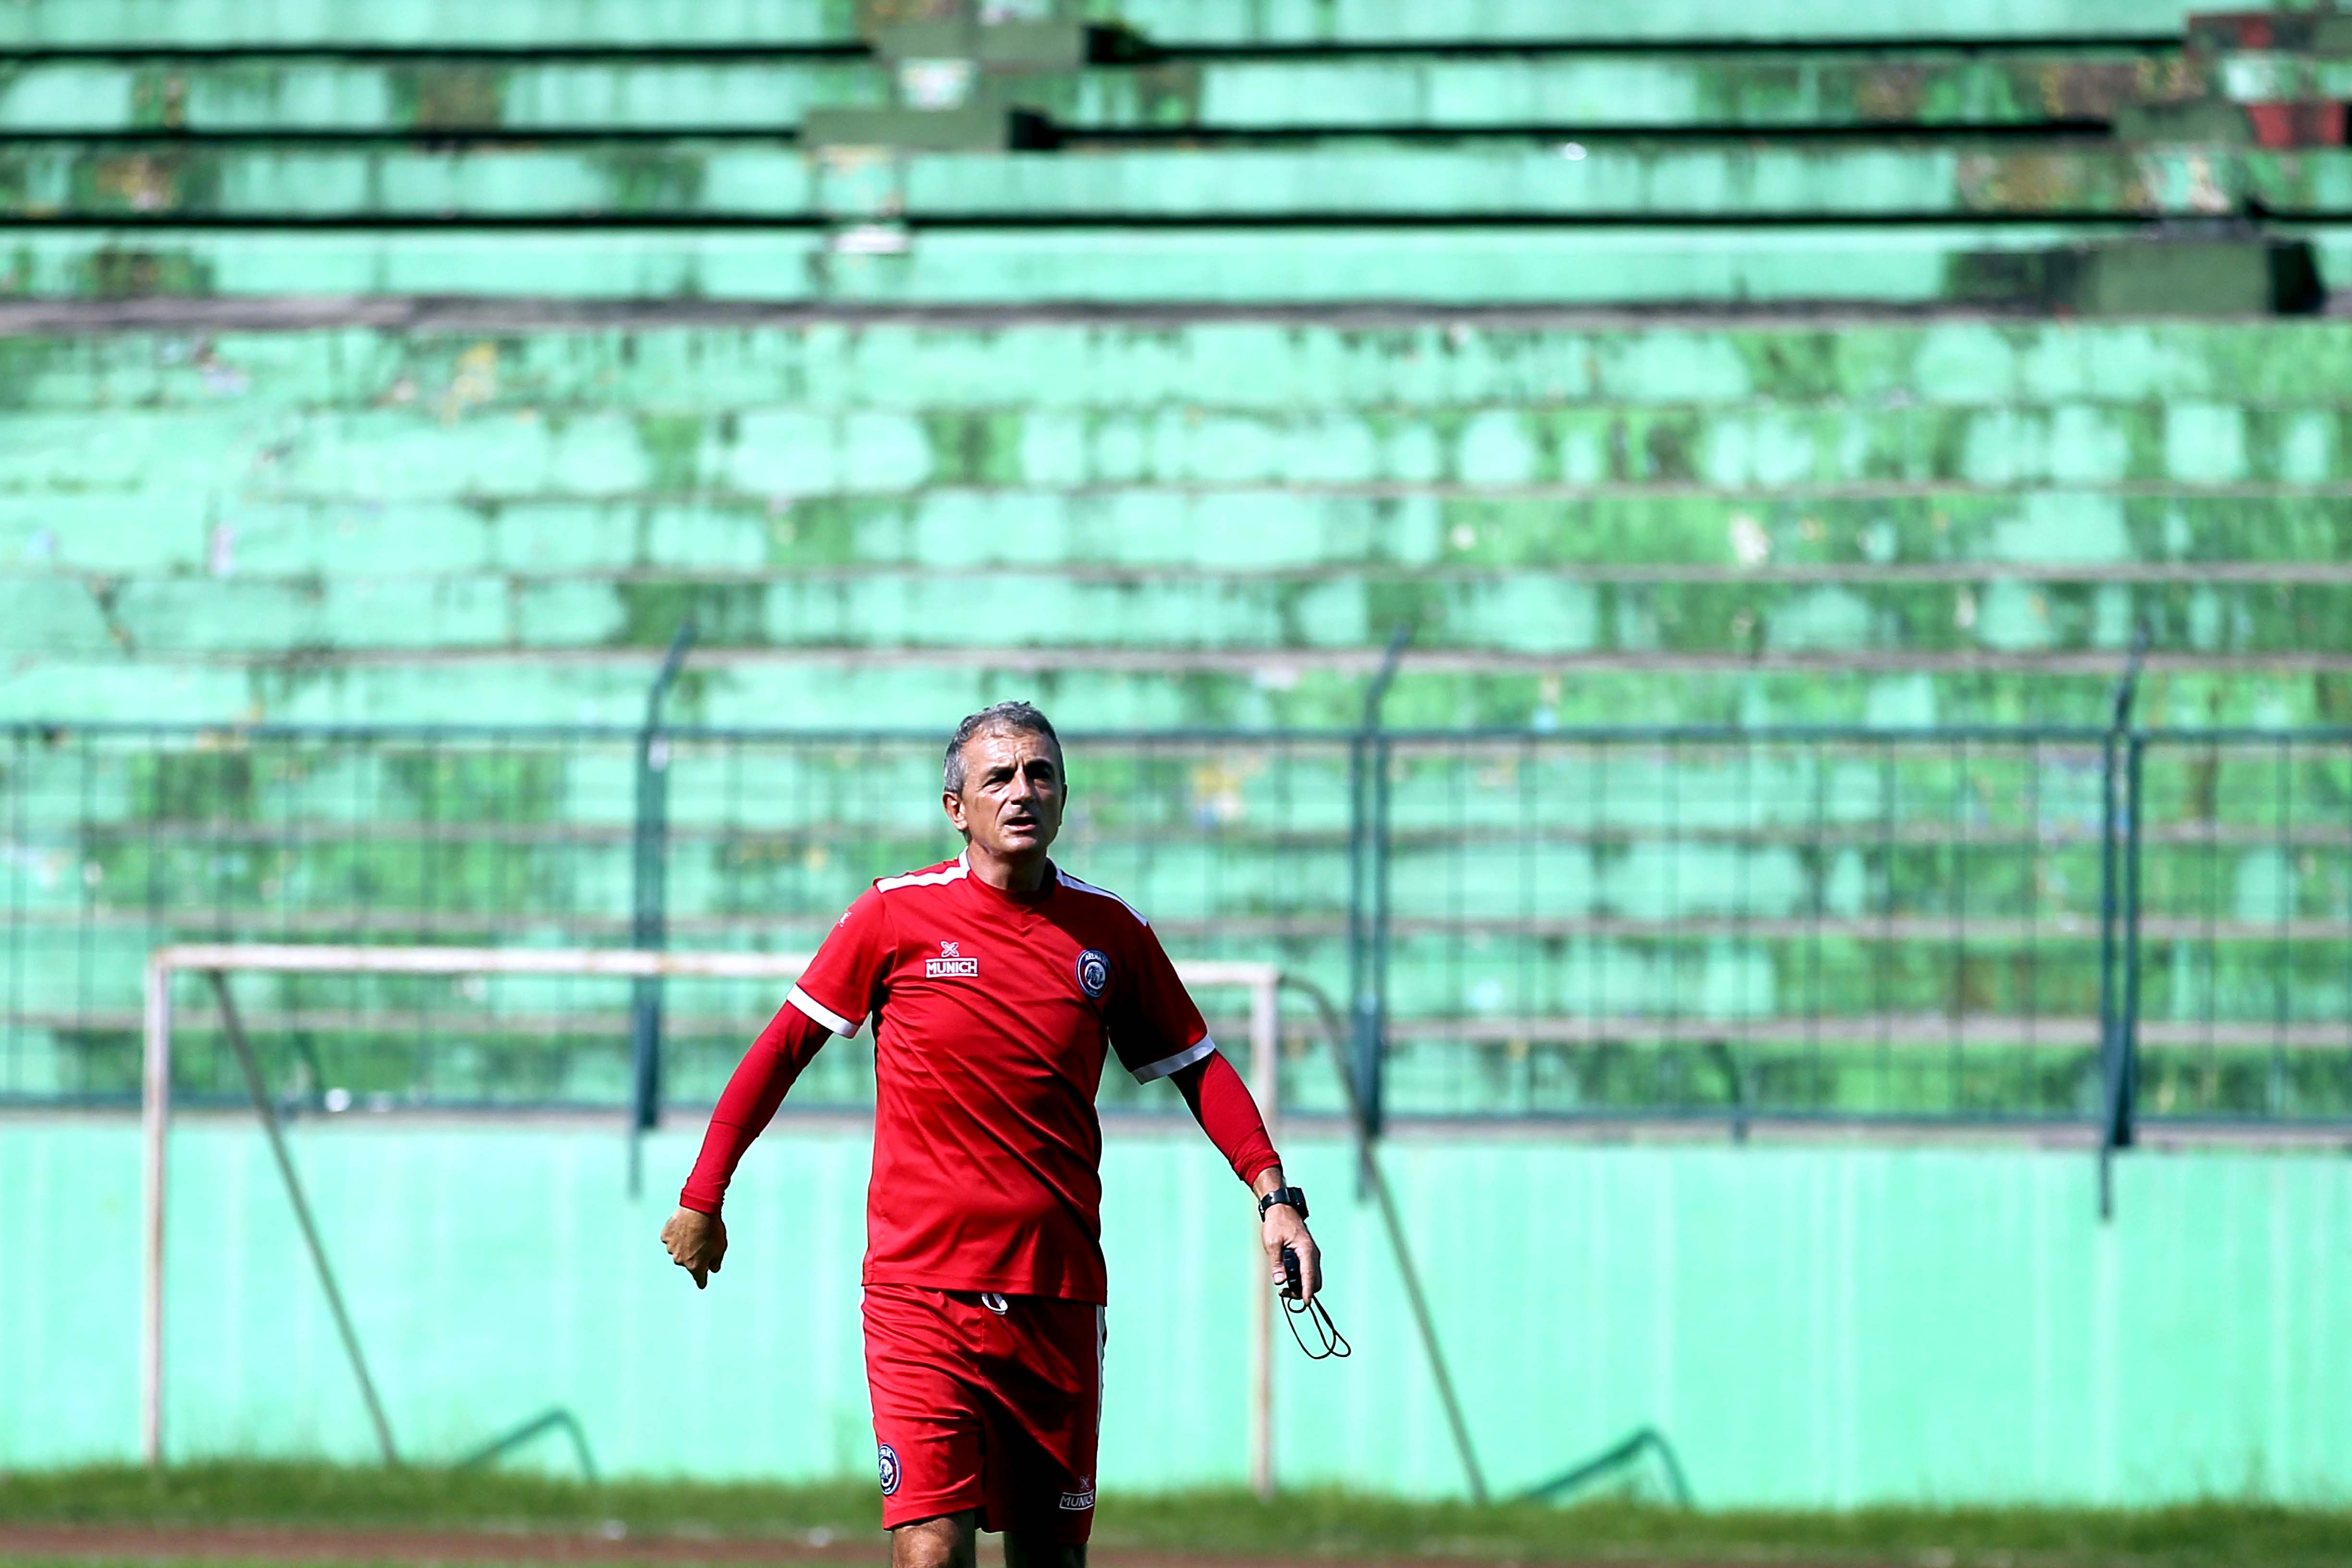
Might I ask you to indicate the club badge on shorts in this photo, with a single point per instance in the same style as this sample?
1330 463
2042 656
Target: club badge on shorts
1094 972
887 1460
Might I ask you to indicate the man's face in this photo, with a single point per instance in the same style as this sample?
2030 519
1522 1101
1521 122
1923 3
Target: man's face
1013 796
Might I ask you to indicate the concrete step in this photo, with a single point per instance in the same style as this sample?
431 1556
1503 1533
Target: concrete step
737 24
1324 22
771 458
1096 688
424 24
1499 620
1564 90
2041 266
2262 76
1612 177
212 97
1982 542
964 374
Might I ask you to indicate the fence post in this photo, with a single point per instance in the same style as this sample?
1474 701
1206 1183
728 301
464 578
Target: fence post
1377 1015
1368 877
2128 1098
649 915
1359 965
2119 926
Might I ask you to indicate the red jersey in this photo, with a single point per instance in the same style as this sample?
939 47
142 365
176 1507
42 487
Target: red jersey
993 1012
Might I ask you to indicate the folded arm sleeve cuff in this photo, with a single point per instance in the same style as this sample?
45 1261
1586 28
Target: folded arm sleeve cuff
749 1102
1167 1067
1221 1102
823 1014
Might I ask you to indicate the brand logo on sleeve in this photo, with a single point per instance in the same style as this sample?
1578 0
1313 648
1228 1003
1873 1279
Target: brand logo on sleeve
1094 975
951 965
886 1460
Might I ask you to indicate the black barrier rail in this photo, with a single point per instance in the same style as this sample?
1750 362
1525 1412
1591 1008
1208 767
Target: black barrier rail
2106 928
1618 1460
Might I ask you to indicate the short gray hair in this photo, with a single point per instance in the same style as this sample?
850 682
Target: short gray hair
1018 717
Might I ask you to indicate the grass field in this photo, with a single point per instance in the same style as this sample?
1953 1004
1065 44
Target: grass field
1322 1527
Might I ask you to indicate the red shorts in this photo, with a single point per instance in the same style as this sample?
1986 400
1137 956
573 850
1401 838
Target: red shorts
986 1401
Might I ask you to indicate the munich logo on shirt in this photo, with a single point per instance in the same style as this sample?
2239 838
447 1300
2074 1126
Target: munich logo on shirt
1080 1501
1094 972
951 965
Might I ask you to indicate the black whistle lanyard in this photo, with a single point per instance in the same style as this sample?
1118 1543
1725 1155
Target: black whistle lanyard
1329 1344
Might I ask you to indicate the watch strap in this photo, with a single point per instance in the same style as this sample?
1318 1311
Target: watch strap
1291 1197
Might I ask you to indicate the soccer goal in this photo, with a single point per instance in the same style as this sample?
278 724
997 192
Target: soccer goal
219 961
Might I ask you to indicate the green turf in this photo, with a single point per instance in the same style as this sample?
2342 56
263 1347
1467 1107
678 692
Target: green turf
1322 1524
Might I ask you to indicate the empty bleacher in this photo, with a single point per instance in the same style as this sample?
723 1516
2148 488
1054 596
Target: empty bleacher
1205 523
923 154
417 363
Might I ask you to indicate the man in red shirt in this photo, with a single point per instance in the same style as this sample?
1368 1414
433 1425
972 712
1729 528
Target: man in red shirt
997 983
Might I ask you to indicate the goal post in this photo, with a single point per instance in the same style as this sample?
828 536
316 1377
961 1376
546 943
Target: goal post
219 961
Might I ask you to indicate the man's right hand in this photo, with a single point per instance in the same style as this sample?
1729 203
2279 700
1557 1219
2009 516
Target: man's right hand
696 1242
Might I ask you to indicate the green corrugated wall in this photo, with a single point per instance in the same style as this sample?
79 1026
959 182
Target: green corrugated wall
1810 1326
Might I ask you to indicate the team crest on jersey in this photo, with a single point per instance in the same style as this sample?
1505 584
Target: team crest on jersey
1094 972
951 965
886 1460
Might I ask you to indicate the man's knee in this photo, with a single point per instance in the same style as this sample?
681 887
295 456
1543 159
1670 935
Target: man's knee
1023 1551
934 1543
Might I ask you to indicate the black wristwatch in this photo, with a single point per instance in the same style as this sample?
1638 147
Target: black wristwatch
1293 1197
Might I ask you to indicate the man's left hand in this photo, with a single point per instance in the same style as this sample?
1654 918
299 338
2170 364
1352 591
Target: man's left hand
1284 1228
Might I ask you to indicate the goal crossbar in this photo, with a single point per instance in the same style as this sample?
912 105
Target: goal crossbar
220 960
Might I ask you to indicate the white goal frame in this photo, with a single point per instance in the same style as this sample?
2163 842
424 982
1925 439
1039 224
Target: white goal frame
220 960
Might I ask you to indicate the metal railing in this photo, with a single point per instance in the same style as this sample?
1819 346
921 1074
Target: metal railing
1981 925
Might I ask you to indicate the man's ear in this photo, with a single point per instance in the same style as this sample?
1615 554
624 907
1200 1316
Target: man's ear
952 803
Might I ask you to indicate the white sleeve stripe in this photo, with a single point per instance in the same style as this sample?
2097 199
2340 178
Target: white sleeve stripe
1177 1063
1069 882
823 1014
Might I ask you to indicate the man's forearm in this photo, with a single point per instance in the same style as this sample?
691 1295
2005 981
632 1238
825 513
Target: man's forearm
749 1102
1221 1102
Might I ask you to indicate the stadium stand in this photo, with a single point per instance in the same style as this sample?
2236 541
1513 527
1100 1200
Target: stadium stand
917 154
402 362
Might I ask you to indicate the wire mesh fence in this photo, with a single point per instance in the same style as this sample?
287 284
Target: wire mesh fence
124 839
2244 969
1827 923
1701 922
